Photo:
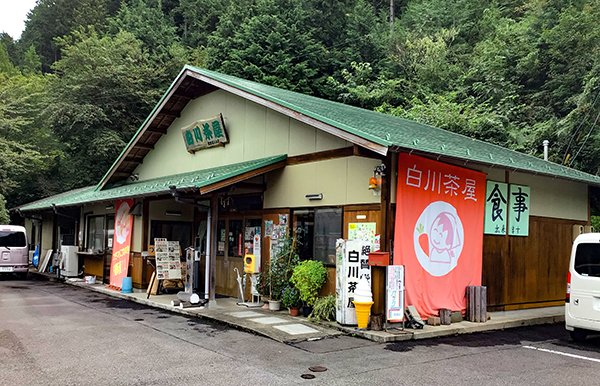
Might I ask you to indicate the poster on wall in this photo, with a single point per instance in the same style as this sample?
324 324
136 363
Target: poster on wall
168 263
366 231
122 242
496 202
518 219
352 264
439 232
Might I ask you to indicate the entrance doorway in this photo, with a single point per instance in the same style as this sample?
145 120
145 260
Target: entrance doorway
235 238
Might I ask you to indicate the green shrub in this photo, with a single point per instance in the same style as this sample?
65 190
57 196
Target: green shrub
309 276
324 309
291 297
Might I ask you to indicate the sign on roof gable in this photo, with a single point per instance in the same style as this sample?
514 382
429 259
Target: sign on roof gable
205 133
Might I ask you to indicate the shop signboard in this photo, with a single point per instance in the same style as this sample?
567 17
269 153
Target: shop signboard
519 204
204 134
168 261
439 232
496 202
122 242
352 264
395 294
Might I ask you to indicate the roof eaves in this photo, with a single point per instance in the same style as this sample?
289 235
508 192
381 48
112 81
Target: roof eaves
140 130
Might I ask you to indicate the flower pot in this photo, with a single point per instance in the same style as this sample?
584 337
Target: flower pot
274 305
306 311
294 311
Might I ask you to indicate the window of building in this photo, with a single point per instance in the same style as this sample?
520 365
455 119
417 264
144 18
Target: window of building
173 231
99 233
94 239
235 238
317 231
221 237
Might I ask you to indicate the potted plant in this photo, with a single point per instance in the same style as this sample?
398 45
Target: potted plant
291 299
279 272
308 277
324 309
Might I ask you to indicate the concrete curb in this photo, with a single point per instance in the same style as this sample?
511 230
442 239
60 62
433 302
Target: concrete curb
377 336
168 308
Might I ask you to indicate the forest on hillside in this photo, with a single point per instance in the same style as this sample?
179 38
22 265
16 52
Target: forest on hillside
85 73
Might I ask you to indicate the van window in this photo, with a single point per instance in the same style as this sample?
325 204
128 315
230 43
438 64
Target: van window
12 239
587 259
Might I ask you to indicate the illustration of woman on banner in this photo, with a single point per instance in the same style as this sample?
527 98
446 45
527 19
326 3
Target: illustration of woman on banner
444 238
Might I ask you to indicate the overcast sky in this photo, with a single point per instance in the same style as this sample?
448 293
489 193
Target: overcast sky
13 14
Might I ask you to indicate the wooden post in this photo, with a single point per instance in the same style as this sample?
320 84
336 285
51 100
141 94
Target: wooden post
214 208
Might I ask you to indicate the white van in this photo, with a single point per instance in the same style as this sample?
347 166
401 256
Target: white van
14 253
582 303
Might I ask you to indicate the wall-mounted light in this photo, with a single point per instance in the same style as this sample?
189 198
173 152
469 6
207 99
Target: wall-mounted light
375 181
174 213
134 177
109 207
314 196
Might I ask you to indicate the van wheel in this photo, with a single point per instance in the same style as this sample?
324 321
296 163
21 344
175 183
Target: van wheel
578 335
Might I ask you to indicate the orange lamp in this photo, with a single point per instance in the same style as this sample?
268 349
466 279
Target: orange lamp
372 183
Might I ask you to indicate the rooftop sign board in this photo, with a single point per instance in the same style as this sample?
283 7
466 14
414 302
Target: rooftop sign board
204 134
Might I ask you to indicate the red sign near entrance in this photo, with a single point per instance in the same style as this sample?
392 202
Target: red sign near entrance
122 241
439 232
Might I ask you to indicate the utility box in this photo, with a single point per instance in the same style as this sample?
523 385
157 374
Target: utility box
251 264
69 262
379 259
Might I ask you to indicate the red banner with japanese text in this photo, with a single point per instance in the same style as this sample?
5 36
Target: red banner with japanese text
122 241
439 232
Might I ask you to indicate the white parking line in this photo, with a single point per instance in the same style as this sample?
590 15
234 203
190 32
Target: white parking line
563 353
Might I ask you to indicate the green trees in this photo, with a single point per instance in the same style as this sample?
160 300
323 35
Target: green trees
85 73
103 90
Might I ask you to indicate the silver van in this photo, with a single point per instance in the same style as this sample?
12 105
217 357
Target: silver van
582 303
14 253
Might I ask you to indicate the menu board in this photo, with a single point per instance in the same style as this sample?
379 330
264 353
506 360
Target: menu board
395 293
168 263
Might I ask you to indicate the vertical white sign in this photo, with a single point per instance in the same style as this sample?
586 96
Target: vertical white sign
256 248
395 293
352 264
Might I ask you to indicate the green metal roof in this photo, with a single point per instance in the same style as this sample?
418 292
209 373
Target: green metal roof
398 133
160 185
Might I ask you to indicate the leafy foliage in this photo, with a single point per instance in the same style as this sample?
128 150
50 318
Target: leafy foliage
85 73
324 309
4 217
291 297
308 277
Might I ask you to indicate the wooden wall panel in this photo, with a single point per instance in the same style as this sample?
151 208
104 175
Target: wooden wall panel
495 253
525 272
372 214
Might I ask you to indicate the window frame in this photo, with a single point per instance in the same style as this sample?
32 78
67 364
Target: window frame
294 212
